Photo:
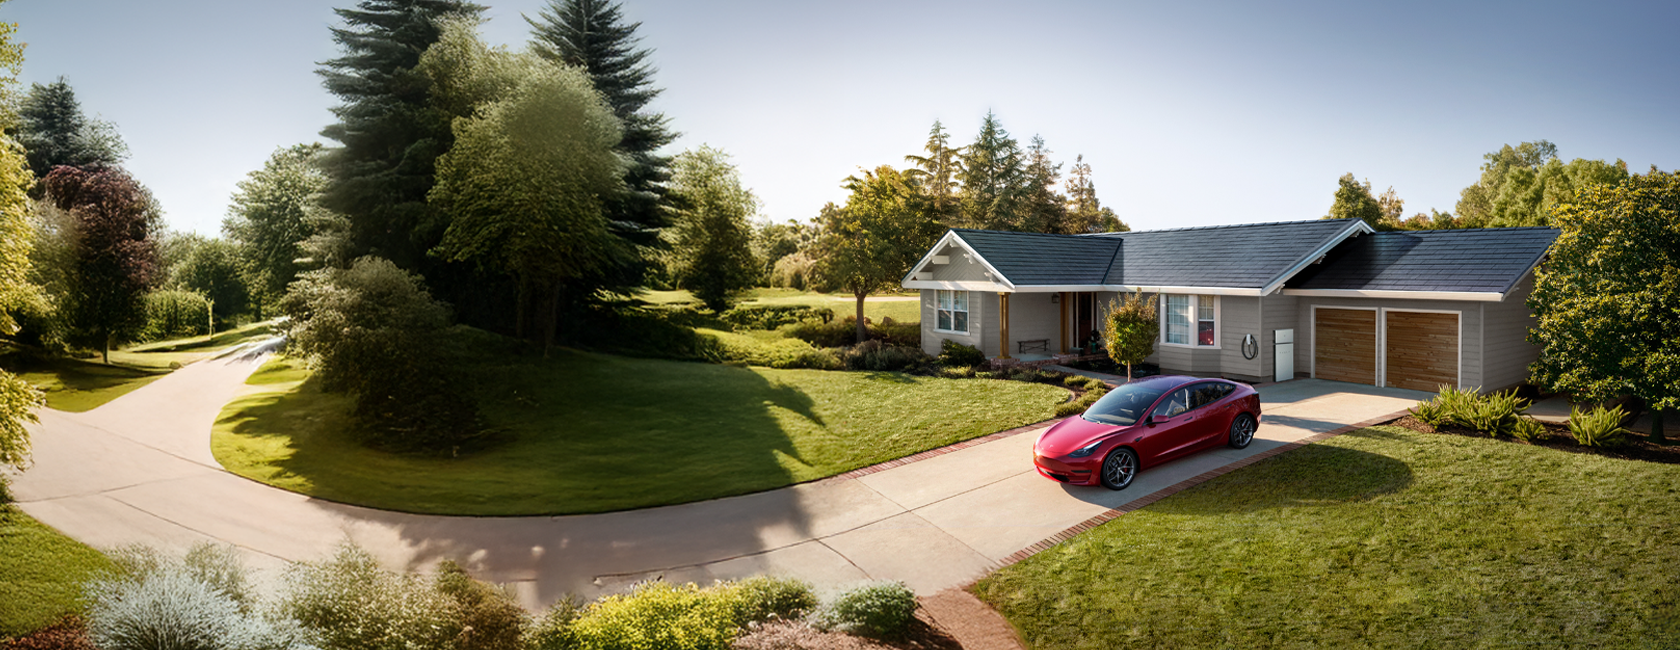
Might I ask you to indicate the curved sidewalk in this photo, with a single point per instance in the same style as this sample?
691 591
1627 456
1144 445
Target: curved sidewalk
139 470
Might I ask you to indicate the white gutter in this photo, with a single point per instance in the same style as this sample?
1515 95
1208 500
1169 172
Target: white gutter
970 285
1474 296
1053 288
1354 229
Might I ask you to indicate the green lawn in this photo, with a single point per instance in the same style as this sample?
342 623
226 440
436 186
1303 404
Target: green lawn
41 573
78 385
875 307
588 433
1378 538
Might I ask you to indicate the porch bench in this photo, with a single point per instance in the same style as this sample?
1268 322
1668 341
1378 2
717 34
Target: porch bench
1033 345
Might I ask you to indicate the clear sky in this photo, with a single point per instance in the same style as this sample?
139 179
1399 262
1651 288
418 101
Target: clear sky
1190 113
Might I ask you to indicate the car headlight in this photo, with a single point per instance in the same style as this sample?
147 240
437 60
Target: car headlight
1086 450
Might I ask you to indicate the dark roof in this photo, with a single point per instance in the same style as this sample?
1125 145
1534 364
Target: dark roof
1485 260
1238 256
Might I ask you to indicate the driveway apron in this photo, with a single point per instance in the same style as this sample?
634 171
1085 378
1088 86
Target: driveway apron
139 471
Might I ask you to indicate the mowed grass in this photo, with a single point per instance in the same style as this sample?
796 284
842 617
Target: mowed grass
1378 538
588 433
78 385
900 307
41 573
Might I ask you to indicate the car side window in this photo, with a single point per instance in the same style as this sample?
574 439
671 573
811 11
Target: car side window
1204 394
1174 403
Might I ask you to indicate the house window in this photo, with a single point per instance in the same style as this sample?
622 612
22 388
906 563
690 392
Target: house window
1190 321
952 312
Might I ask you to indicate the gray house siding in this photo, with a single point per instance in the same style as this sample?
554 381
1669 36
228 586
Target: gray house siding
1278 312
932 339
1469 330
1505 328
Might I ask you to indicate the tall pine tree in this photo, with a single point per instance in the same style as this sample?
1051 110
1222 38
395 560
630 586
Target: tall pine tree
593 35
391 131
936 174
992 180
1043 209
53 131
1085 214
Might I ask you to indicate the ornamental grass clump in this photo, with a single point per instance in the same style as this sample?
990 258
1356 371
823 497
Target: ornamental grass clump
202 600
1599 427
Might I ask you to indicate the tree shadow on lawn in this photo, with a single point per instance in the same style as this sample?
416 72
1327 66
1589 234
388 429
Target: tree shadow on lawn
1314 475
71 383
585 434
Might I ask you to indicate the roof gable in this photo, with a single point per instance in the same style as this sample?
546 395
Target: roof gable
1481 260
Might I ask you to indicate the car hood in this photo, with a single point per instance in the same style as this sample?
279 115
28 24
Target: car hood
1073 433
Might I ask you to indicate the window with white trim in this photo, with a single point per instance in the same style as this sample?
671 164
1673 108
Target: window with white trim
952 312
1190 320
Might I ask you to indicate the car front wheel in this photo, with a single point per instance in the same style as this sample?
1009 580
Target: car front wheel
1119 468
1242 431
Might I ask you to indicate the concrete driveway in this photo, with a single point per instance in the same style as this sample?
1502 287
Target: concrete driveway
139 470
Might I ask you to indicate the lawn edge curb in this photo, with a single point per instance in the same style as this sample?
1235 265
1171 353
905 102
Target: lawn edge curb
1143 501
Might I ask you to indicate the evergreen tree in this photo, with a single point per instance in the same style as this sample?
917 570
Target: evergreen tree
992 180
593 35
391 131
1043 209
53 131
936 174
711 242
1085 214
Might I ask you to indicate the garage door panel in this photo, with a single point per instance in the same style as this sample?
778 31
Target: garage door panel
1345 345
1421 350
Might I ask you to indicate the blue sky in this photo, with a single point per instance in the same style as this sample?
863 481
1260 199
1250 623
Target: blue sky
1189 113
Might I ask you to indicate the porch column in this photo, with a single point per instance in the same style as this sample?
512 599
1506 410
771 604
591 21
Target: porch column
1003 325
1062 297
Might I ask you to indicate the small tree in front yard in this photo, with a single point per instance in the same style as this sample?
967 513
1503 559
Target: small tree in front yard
1130 328
1608 303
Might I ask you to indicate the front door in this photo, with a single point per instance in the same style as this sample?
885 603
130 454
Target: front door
1084 318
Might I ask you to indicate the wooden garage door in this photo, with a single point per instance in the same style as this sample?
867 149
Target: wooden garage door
1421 350
1345 345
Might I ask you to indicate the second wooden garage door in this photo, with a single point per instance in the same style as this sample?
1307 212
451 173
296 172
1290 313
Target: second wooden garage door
1421 351
1345 345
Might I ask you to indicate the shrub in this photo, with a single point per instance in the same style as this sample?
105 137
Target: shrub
952 354
373 332
1457 406
663 333
895 333
875 355
656 615
1600 427
175 313
488 617
553 629
957 372
1430 412
882 609
763 598
348 602
833 334
67 634
767 349
158 603
769 317
1074 381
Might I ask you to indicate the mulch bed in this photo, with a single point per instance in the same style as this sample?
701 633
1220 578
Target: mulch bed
797 635
1557 436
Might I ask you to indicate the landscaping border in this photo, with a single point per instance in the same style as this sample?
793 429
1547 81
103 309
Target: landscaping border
939 451
1183 485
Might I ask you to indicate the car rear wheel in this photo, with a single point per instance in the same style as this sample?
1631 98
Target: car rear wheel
1119 468
1242 430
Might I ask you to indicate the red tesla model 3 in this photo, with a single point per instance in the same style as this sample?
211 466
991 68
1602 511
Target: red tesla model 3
1144 423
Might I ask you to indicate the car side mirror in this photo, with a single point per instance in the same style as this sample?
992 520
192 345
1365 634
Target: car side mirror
1157 418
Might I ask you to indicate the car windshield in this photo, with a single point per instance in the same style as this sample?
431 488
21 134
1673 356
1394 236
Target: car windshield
1125 405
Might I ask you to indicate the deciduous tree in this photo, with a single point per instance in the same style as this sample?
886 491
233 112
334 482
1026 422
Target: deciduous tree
269 217
1130 328
18 400
1608 301
869 244
1475 203
115 256
524 183
711 241
216 270
593 35
1354 201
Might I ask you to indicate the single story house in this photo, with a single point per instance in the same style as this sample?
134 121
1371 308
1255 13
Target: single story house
1331 299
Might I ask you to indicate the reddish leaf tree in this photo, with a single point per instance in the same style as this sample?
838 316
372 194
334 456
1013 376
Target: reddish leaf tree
116 259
